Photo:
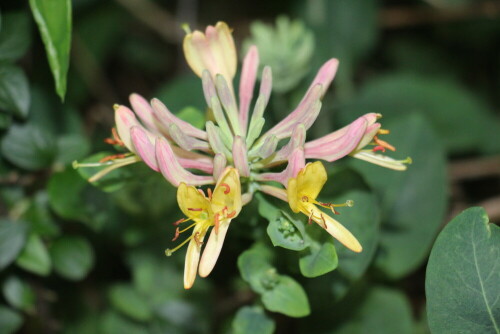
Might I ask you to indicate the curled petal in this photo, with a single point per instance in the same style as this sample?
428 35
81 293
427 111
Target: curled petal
325 75
382 160
193 257
247 83
172 169
337 144
125 120
297 140
213 248
144 146
165 118
240 156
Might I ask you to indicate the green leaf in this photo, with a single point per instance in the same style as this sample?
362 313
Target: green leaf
73 257
250 320
72 147
461 120
15 36
280 293
14 90
19 294
112 323
53 18
320 257
12 239
287 297
287 232
383 311
34 257
65 194
462 280
10 321
29 147
413 202
40 217
130 302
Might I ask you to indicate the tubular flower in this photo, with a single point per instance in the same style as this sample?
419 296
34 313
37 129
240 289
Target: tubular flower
302 192
217 210
232 148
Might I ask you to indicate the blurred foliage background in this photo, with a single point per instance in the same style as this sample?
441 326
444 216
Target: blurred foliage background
76 258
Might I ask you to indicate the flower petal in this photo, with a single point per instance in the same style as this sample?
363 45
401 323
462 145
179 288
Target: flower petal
125 120
144 111
382 160
296 162
144 146
240 158
193 258
165 118
220 162
188 197
185 141
227 192
247 83
194 160
213 247
171 168
311 180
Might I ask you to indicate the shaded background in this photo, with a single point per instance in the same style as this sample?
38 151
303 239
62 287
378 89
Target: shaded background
77 259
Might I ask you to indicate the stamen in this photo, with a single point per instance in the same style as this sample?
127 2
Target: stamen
113 157
115 140
195 209
378 148
209 191
216 223
182 220
169 252
408 161
383 132
324 222
309 221
177 233
187 228
231 214
198 242
228 189
383 143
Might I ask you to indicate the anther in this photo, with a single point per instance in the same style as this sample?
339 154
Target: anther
195 209
383 143
378 148
198 242
309 221
305 199
231 214
182 220
113 157
177 233
228 189
216 223
324 221
383 132
209 191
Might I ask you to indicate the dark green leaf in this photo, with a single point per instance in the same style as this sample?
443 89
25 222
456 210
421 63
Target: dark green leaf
130 302
14 90
383 311
34 257
18 294
15 36
251 320
10 321
65 194
320 257
72 257
463 276
412 202
462 121
287 297
53 18
29 147
253 264
12 239
40 217
72 147
287 232
112 323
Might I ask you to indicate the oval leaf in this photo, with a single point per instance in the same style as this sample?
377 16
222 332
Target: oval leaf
14 90
12 239
73 257
250 320
463 276
34 257
53 18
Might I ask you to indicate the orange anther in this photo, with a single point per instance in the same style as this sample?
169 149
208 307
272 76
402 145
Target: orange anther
177 233
216 223
228 189
198 242
231 214
383 143
112 157
195 209
179 221
209 191
324 221
378 148
115 140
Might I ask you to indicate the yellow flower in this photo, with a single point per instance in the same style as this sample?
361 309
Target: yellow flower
302 192
217 210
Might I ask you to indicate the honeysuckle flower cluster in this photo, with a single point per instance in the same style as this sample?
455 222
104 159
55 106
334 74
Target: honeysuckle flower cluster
235 154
